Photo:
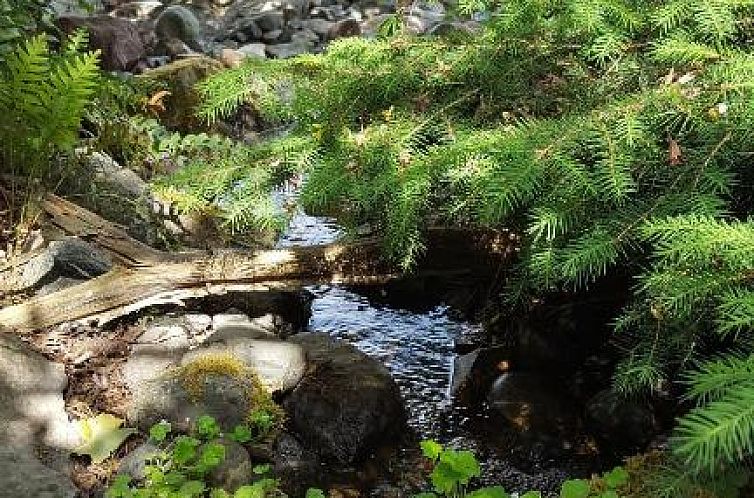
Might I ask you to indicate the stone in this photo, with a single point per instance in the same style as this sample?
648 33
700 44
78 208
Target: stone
180 78
26 476
58 284
166 397
253 50
69 257
32 409
227 327
344 29
533 403
134 464
231 58
117 39
279 365
474 372
235 471
293 464
272 36
122 181
288 50
178 22
347 404
319 26
141 10
627 425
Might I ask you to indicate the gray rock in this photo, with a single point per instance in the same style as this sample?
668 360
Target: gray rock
134 464
272 36
32 409
270 21
279 365
141 10
227 327
26 476
180 23
70 257
117 39
224 398
319 26
474 373
58 285
236 469
305 36
347 404
108 172
288 50
253 50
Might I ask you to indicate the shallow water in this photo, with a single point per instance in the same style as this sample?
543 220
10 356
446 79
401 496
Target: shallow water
418 349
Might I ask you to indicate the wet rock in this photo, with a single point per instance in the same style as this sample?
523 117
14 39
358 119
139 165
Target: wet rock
117 39
108 173
233 326
624 424
533 403
293 464
474 373
32 410
347 404
319 26
70 257
26 476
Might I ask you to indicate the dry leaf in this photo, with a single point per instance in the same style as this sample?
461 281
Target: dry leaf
102 435
156 103
675 155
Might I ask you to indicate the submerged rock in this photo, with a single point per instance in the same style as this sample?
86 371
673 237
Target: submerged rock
347 405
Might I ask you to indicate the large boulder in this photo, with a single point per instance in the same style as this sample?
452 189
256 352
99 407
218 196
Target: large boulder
118 39
32 409
347 404
25 476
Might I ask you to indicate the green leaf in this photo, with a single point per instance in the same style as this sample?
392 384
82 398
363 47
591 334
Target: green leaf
575 488
427 494
185 449
160 431
610 493
616 478
218 493
213 454
241 434
455 468
431 449
261 469
493 492
314 493
192 488
532 494
207 427
119 486
102 435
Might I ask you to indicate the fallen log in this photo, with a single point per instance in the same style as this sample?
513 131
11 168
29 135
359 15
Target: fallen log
148 277
126 290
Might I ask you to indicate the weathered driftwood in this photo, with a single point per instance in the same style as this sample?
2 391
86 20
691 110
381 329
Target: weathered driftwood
125 290
148 277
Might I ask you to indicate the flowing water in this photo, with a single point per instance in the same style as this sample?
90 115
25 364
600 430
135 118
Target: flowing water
418 349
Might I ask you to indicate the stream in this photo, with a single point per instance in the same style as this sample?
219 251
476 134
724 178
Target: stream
418 349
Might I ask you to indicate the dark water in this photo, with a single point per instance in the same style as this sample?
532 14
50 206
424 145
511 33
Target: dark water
418 349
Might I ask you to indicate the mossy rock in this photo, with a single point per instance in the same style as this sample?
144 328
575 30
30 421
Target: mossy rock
180 79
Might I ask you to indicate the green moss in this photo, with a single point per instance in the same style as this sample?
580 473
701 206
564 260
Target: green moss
194 375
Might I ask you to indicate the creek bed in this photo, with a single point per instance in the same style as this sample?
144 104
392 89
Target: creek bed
418 349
